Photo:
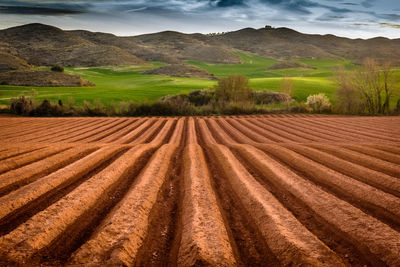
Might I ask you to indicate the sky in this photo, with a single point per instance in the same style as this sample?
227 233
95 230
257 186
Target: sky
347 18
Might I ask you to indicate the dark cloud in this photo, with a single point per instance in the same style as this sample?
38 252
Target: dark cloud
228 3
28 10
202 15
368 3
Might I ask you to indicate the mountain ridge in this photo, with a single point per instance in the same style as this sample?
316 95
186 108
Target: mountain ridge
40 44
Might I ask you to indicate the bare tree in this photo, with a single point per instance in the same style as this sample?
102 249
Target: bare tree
234 88
376 85
349 99
388 85
287 86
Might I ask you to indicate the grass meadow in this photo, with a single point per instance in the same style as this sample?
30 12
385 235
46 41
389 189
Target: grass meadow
127 83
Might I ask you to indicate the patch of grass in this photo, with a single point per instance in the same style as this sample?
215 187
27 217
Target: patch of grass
252 66
303 86
126 83
113 84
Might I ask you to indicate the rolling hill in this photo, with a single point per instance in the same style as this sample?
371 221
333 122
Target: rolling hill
40 44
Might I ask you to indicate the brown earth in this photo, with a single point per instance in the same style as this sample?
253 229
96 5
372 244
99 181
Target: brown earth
280 190
9 62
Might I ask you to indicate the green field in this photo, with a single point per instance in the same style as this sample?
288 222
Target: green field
127 83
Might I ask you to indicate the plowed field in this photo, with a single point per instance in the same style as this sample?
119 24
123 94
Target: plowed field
272 190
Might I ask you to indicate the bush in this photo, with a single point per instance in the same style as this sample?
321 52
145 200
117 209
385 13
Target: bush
57 68
299 107
268 97
318 103
22 105
4 83
47 109
234 88
201 97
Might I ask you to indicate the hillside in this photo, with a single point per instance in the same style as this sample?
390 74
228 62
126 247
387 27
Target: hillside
9 62
42 78
40 44
181 70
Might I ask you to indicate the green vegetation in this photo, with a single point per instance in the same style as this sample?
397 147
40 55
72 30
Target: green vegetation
127 83
113 84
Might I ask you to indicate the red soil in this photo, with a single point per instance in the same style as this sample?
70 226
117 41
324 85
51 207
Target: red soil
273 190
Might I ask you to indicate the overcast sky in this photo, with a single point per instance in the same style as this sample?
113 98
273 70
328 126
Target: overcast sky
349 18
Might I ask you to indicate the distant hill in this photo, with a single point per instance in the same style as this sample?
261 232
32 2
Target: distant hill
40 44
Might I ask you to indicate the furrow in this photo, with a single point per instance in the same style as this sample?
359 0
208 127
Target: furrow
300 131
37 136
376 179
218 133
115 136
377 203
119 237
69 217
79 133
29 129
132 135
350 130
178 133
278 134
29 173
204 239
205 132
376 153
360 125
24 159
81 128
16 200
109 132
368 234
96 131
235 133
149 133
165 133
395 149
191 132
14 151
249 131
361 159
326 131
290 241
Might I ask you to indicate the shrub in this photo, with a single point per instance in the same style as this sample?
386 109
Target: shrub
4 83
299 107
268 97
318 103
201 97
57 68
22 105
47 109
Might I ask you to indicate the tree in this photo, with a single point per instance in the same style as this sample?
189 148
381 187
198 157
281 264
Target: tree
388 85
347 96
234 88
287 87
368 89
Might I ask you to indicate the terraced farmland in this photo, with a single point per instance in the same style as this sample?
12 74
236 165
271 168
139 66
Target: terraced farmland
221 191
